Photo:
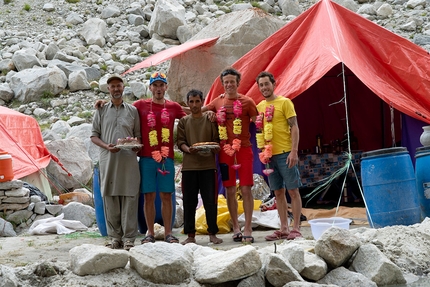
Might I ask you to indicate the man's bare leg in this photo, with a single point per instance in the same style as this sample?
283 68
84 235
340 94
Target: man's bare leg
248 207
232 207
149 210
296 207
282 206
166 212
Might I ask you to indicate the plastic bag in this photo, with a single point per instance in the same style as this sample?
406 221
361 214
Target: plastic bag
223 218
269 218
56 225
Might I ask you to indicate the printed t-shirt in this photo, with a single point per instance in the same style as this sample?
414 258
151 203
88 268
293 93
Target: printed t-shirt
144 107
249 110
284 109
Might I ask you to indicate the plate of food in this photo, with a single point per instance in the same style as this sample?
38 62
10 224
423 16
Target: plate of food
128 143
126 147
205 148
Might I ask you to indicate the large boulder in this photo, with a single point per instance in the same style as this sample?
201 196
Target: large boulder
168 15
73 156
238 33
30 85
94 32
25 59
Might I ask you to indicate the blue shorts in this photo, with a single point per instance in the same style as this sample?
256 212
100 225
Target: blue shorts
152 180
282 176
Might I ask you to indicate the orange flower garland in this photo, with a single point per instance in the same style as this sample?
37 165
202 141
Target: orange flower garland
264 136
230 149
163 153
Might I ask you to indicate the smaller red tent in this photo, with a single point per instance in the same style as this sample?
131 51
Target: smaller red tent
21 137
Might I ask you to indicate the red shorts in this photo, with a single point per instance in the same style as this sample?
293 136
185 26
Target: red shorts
245 158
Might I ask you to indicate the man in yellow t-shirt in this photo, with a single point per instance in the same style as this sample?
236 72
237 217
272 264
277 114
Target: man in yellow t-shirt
284 160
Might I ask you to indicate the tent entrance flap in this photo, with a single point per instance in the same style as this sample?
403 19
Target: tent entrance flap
318 115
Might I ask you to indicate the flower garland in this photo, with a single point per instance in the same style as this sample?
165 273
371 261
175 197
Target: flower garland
237 130
163 153
264 136
222 129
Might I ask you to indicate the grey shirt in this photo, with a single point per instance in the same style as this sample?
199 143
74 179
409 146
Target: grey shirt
119 172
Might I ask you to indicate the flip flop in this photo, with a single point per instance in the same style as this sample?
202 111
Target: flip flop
277 235
237 237
148 239
294 234
245 241
171 239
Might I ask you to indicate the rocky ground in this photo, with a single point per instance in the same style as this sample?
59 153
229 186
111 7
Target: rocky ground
26 249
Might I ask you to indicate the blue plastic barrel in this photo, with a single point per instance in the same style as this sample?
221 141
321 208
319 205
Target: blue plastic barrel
158 218
98 202
422 175
389 187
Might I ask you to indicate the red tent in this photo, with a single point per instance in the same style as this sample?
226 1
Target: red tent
306 56
21 137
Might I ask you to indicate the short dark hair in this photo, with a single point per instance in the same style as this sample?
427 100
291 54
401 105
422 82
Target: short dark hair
266 74
230 71
194 93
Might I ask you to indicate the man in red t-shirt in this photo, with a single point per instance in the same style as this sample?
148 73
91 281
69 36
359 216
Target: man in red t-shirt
234 113
157 118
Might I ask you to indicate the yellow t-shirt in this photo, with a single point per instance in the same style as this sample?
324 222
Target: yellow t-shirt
284 109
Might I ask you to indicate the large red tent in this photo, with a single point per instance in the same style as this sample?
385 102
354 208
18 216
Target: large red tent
308 56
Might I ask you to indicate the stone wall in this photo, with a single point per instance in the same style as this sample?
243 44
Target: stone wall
20 208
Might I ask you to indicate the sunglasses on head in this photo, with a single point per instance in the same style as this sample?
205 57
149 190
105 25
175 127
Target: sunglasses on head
157 74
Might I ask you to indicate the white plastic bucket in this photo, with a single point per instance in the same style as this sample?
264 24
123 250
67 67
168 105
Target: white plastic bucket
318 226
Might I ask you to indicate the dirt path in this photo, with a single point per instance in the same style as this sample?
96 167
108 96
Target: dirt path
26 249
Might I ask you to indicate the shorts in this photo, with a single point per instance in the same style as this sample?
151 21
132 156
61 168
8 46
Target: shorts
282 176
245 158
152 180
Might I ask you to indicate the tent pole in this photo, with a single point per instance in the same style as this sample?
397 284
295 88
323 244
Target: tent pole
382 124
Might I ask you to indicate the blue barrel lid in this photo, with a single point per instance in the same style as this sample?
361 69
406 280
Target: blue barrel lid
384 151
422 151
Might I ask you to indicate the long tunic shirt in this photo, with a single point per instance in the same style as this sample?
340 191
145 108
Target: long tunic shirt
119 172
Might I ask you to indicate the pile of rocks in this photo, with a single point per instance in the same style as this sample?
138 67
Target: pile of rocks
339 258
20 209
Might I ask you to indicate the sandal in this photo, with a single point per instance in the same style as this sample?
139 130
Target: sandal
245 241
148 239
115 244
294 234
277 235
171 239
237 237
128 245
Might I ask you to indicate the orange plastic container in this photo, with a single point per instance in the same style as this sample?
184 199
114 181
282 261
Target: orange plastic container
6 171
